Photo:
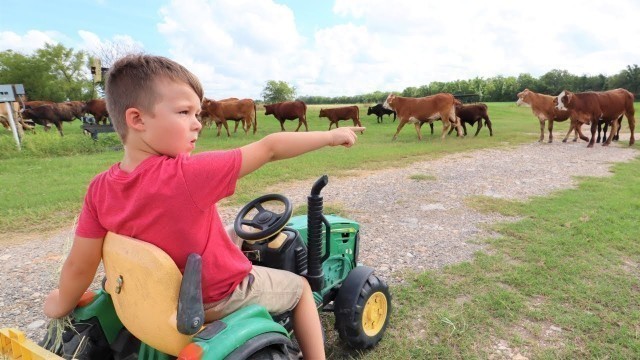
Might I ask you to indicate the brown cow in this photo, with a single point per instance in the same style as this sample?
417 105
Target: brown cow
470 114
45 114
591 107
342 113
543 108
415 110
4 117
239 110
288 110
97 108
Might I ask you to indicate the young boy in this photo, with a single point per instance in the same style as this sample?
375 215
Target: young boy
160 194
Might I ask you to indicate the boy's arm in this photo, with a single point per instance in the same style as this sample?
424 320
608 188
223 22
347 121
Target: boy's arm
284 145
78 272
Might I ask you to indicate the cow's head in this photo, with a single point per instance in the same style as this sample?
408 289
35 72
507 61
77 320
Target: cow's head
370 111
322 113
388 103
268 109
563 100
523 98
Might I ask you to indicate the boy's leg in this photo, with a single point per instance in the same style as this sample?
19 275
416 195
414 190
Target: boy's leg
306 324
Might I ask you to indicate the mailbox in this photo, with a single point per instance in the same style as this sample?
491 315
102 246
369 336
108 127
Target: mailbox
6 93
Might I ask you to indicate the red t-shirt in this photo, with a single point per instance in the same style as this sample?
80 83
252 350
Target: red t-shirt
171 203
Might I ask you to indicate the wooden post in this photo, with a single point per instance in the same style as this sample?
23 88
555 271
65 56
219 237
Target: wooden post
12 123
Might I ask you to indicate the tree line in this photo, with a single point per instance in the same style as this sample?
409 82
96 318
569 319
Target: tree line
57 73
503 88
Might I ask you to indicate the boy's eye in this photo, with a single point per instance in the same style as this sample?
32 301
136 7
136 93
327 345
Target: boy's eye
184 112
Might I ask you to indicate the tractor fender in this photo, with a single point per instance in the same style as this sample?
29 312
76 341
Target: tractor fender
352 284
241 328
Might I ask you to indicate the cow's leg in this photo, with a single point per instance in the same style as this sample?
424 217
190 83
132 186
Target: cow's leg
59 127
431 126
299 125
281 125
550 127
401 123
450 129
445 127
578 128
379 119
487 123
594 126
417 125
614 128
235 130
479 127
541 130
226 127
600 129
632 125
617 136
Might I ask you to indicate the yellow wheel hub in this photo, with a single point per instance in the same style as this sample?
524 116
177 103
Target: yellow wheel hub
375 314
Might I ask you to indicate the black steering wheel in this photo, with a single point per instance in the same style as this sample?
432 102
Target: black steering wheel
267 222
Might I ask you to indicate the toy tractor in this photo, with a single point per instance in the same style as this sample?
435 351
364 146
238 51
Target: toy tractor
148 309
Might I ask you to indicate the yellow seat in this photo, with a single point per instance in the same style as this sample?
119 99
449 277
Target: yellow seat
144 283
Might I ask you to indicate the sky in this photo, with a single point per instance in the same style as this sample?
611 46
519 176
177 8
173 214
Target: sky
340 47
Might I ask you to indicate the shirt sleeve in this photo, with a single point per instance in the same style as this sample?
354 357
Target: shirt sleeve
211 176
88 224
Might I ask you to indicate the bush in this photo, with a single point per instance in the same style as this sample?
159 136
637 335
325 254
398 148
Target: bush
51 144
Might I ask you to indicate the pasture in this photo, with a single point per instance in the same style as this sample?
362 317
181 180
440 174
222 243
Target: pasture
43 186
572 264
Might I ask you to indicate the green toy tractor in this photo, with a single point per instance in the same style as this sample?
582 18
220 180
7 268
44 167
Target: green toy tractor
127 318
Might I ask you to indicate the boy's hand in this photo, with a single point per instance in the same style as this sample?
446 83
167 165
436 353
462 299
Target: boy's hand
344 136
52 305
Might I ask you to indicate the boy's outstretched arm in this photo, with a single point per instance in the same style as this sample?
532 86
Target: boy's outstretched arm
78 272
284 145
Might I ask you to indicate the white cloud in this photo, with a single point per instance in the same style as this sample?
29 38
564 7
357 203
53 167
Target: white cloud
28 42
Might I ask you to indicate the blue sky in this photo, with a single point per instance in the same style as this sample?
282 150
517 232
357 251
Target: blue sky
340 47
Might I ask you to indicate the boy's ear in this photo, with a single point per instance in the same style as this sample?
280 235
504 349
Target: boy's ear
133 117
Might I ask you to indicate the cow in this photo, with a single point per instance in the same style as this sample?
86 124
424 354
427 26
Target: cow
414 110
470 114
380 110
232 109
342 113
591 107
543 108
45 114
97 108
15 113
288 110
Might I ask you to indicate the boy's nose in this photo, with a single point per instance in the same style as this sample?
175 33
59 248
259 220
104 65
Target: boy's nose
197 125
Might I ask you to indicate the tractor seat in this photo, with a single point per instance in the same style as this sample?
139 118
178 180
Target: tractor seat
145 286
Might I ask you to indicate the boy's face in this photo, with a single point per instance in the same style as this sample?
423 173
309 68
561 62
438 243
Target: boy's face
172 127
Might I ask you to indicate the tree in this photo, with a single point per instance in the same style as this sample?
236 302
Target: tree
54 73
277 91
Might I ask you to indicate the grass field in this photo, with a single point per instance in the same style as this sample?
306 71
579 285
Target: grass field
43 186
562 283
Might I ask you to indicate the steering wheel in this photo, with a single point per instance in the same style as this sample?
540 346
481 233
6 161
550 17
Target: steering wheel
267 222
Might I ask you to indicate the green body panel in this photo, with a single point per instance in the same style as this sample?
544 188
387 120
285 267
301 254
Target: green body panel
102 308
242 325
146 352
342 247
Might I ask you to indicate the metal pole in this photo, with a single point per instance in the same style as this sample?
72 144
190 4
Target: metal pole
12 123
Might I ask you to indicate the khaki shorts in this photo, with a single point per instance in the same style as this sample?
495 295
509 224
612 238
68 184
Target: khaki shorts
277 290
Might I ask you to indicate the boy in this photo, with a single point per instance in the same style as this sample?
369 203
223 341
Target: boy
160 194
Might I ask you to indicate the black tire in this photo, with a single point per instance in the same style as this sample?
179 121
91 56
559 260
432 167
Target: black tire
355 325
269 353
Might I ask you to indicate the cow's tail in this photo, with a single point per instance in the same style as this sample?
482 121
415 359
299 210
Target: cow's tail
255 118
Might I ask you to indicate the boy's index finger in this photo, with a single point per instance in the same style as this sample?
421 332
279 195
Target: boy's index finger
357 128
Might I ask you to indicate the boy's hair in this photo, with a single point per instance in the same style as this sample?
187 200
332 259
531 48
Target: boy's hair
130 84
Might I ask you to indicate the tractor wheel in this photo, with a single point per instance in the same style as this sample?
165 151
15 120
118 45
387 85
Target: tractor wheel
269 353
362 314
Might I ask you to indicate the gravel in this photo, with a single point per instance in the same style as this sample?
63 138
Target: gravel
412 218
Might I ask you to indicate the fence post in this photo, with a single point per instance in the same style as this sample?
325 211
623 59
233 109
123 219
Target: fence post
14 128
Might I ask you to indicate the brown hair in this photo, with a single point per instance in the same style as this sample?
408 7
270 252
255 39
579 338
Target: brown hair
130 84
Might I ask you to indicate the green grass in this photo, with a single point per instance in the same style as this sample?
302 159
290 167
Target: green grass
43 186
571 264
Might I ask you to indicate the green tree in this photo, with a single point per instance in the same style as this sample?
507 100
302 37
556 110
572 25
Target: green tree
54 73
277 91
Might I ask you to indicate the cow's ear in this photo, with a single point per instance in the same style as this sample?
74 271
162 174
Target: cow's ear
569 96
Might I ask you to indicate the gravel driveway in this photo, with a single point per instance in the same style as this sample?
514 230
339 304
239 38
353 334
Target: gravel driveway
408 221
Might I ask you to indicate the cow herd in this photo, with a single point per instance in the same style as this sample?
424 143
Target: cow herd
47 113
596 109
